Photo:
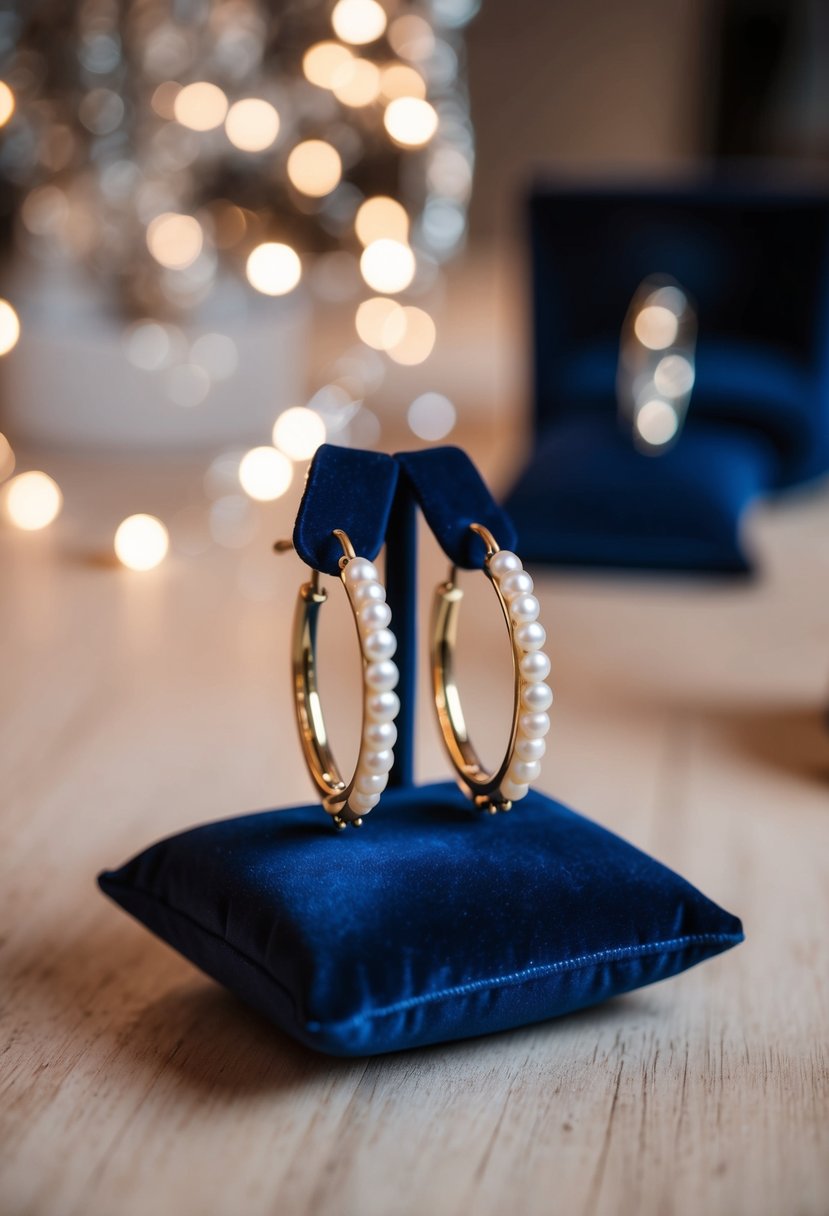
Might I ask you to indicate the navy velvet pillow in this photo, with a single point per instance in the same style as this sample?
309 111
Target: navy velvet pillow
432 923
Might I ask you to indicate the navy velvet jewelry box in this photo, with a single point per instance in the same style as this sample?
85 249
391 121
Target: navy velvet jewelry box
754 259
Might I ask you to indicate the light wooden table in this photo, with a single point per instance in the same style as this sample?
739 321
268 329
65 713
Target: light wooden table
688 718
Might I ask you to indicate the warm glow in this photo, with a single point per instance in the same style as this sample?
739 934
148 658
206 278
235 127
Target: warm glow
273 268
656 327
387 266
141 542
6 103
314 167
175 241
200 106
252 124
265 473
418 338
7 461
322 62
431 416
298 432
412 37
657 422
33 501
410 121
356 83
163 100
380 322
358 21
381 217
673 376
399 80
9 327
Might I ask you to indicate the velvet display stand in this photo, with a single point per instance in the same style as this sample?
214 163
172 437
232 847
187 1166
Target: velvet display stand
432 922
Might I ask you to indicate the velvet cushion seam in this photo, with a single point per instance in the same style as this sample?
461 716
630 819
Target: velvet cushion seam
540 971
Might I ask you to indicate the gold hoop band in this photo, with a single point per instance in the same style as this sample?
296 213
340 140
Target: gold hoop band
348 802
532 697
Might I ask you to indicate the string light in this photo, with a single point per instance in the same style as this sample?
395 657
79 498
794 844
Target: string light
358 21
380 217
175 241
141 542
265 474
387 266
252 124
322 62
32 500
314 167
200 106
7 103
298 432
273 268
410 121
9 327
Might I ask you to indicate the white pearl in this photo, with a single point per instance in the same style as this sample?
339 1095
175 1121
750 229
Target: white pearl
371 783
530 749
383 676
516 583
377 762
536 697
534 726
524 608
374 615
380 644
503 562
372 592
360 570
513 791
383 707
531 636
380 735
363 803
535 666
524 771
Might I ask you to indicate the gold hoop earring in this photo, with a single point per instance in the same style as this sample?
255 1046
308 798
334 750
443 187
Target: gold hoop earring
532 697
348 801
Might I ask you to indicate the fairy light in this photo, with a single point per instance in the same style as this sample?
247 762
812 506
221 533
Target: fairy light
357 83
380 217
314 167
410 121
656 326
322 62
32 500
298 432
175 241
387 266
9 327
400 80
265 473
141 542
358 21
380 322
200 106
7 103
657 422
252 124
417 340
273 268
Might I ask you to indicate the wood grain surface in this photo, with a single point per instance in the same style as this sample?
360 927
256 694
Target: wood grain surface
689 718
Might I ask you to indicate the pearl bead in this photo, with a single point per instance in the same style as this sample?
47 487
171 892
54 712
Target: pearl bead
373 592
503 562
535 666
530 749
524 608
513 791
531 636
380 644
377 762
383 707
374 615
360 570
363 803
382 676
537 697
371 783
524 771
516 583
380 735
534 726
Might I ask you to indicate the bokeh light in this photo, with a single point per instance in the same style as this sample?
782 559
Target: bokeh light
656 326
388 266
298 432
322 62
252 124
174 240
412 37
417 340
410 121
657 422
673 376
9 327
7 460
400 80
356 83
265 473
6 103
141 542
380 217
32 500
273 268
358 21
314 167
380 322
200 106
217 354
431 416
